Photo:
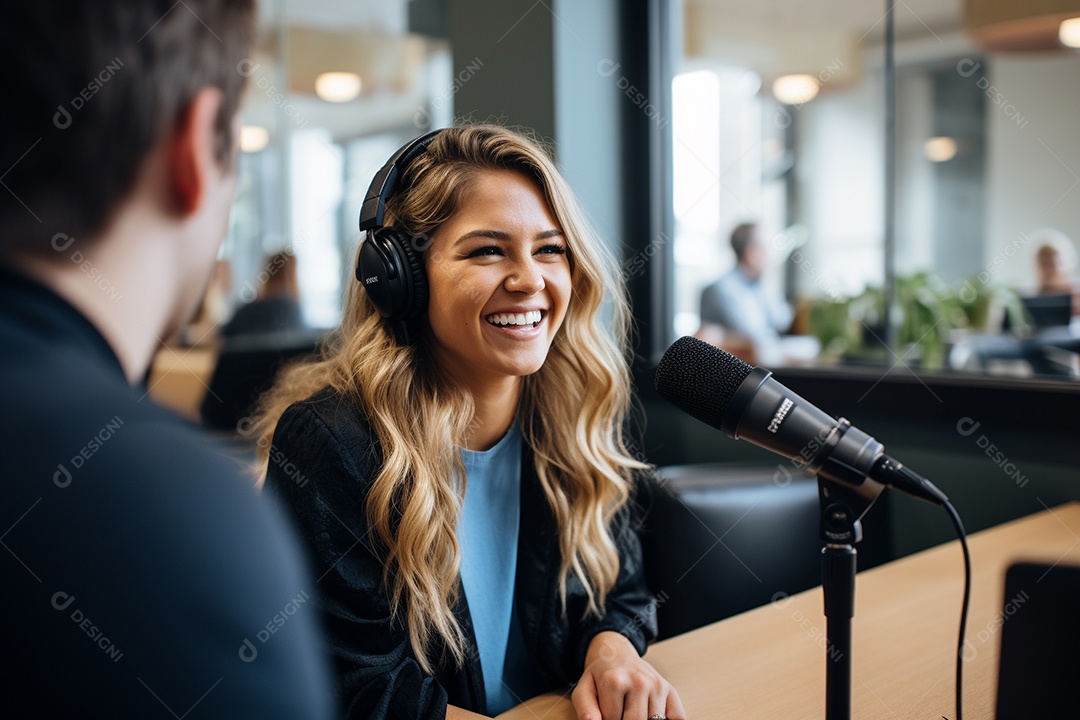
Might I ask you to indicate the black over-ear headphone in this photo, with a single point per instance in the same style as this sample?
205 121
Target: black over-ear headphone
390 265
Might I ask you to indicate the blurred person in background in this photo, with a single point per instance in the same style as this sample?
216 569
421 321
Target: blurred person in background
738 313
1055 263
276 306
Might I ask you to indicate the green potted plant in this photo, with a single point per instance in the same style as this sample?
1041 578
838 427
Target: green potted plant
930 312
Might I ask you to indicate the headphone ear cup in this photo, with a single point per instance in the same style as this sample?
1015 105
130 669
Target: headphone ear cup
377 272
416 305
391 269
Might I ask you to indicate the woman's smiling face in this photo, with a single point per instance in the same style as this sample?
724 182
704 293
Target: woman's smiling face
499 280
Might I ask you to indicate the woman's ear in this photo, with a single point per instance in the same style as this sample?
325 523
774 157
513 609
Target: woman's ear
192 161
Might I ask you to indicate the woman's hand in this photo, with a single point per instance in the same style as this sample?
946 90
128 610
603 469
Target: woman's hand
619 685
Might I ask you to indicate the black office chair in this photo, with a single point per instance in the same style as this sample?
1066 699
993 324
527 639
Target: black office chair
245 368
719 540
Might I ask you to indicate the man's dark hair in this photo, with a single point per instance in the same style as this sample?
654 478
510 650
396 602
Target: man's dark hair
742 236
93 86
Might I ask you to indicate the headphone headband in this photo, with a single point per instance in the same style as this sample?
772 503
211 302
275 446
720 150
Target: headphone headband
385 182
389 264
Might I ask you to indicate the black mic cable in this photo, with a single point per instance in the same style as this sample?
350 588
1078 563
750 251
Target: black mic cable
955 517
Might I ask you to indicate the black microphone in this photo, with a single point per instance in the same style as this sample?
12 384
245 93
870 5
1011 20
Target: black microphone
746 403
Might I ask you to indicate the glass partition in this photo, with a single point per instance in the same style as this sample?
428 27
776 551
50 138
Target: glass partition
334 89
780 121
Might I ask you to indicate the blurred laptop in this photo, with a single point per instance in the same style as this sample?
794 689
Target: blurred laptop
1039 670
1049 311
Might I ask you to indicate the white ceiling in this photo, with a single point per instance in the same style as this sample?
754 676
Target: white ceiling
770 36
838 38
390 16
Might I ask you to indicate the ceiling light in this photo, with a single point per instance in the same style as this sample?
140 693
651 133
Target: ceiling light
940 149
1069 32
795 89
1012 26
337 87
253 138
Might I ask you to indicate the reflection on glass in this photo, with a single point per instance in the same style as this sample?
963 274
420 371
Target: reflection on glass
333 89
988 167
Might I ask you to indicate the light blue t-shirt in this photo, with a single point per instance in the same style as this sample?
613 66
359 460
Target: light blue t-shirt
487 532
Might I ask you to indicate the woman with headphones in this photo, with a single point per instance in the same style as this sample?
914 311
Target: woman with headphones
456 457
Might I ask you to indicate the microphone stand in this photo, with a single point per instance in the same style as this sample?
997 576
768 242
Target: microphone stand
840 530
843 504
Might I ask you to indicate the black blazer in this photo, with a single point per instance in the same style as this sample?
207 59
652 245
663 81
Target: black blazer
323 460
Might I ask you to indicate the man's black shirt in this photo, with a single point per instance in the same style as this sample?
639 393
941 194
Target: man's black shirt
140 574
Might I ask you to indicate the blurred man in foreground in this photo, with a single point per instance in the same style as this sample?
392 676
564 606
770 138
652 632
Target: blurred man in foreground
141 575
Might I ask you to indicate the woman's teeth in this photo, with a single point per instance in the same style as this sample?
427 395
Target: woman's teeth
528 318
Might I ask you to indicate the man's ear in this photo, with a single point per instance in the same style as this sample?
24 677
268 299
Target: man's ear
192 161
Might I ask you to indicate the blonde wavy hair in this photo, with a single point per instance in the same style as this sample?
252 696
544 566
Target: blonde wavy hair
571 411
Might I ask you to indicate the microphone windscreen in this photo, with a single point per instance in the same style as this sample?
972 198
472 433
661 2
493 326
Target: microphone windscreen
700 379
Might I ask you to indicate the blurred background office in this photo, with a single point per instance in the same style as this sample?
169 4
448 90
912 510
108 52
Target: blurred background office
906 235
770 111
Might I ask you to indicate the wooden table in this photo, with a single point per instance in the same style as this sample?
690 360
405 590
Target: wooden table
770 662
179 377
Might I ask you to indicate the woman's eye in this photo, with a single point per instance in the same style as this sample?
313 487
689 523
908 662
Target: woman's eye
553 249
486 250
